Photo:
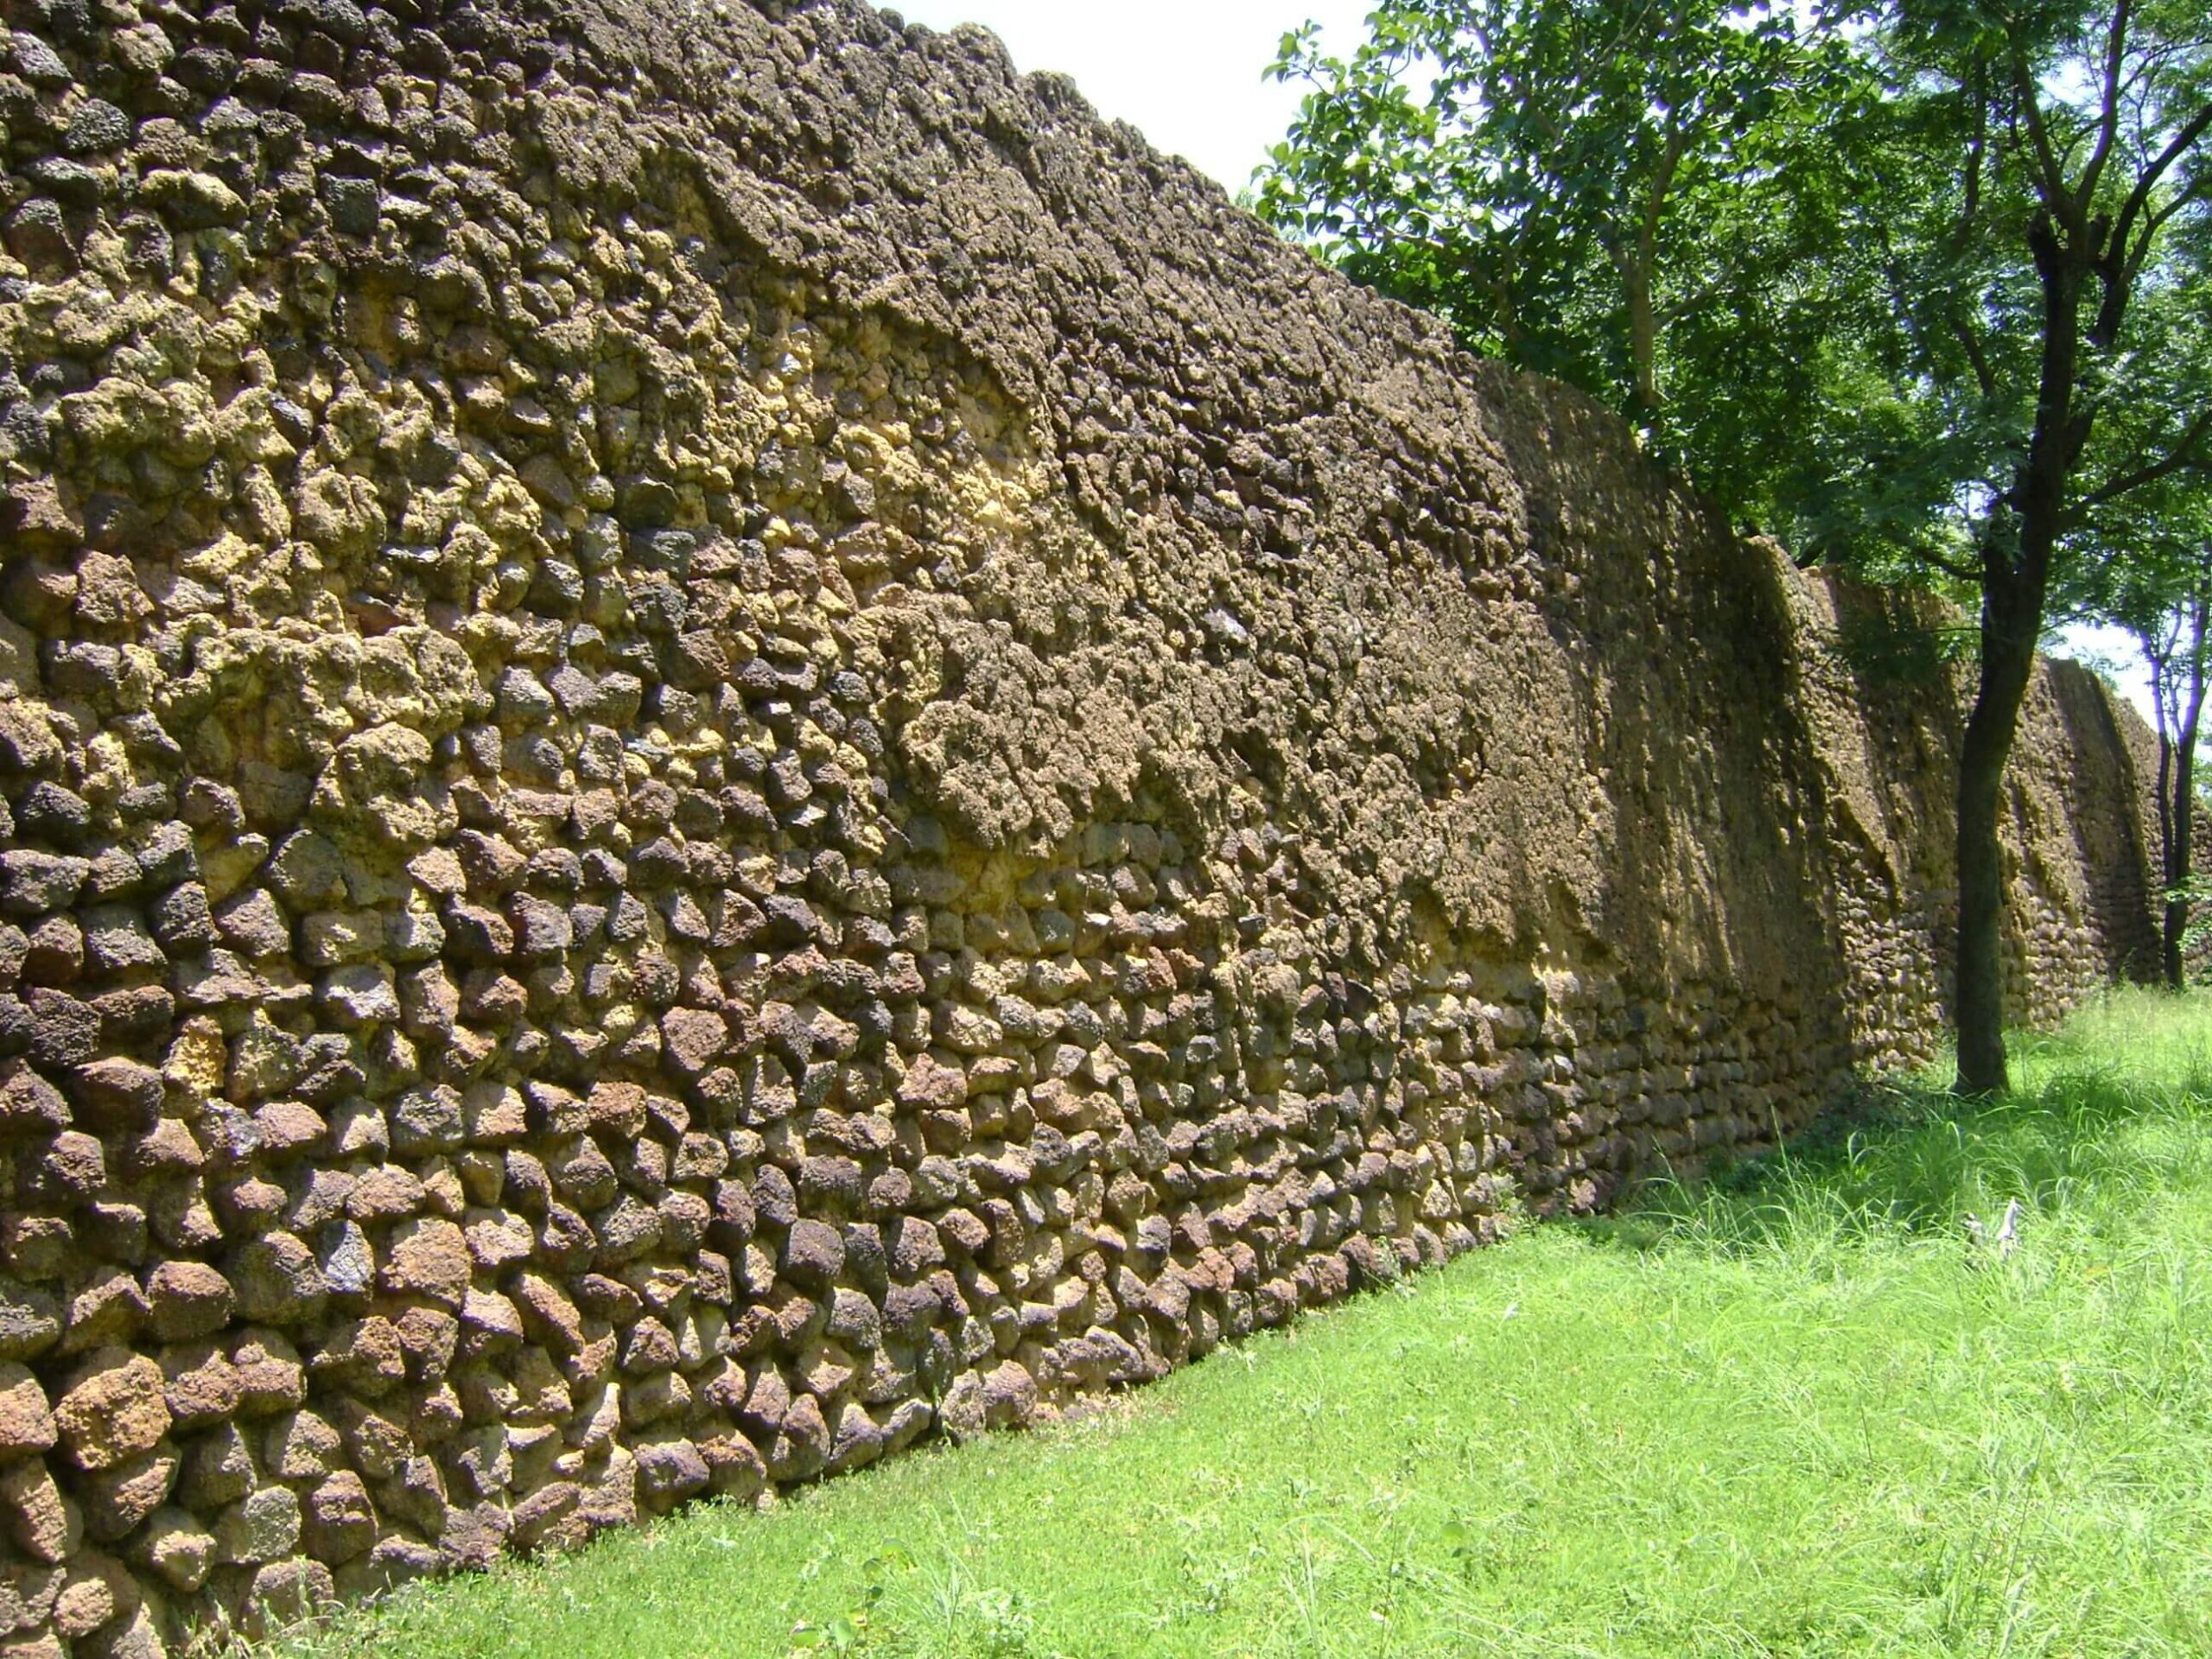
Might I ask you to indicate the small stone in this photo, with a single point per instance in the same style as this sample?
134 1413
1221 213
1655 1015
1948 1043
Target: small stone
668 1471
493 1113
428 1258
217 1470
300 1445
108 1310
28 1104
348 1261
362 994
271 1376
194 202
353 203
341 1522
87 1601
428 1119
115 1500
39 63
200 1385
692 1039
118 1094
182 920
53 952
263 1526
286 1593
35 883
26 1423
930 1086
548 1520
186 1299
117 940
49 812
277 1280
254 926
331 937
65 1033
177 1547
95 126
617 1108
30 1319
32 1512
814 1253
113 1410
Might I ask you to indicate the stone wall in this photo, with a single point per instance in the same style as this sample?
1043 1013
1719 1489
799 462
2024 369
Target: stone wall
722 739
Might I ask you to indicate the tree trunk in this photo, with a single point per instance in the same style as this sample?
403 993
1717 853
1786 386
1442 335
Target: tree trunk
2013 583
1642 336
2180 860
2008 655
2161 706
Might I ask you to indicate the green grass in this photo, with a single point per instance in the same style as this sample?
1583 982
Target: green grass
1792 1411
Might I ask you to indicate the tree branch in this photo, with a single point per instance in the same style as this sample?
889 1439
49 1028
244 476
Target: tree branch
2108 115
2120 262
2057 199
2183 457
1984 374
2140 254
1957 572
1977 149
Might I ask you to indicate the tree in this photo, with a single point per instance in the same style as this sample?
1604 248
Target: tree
2174 646
2073 136
1971 197
2145 563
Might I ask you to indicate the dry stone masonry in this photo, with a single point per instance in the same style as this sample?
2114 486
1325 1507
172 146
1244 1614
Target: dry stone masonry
723 740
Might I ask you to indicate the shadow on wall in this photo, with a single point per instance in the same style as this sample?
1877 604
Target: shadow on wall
2111 765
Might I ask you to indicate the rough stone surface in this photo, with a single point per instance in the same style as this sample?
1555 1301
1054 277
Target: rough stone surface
723 739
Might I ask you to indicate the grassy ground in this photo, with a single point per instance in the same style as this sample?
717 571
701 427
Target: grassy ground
1794 1412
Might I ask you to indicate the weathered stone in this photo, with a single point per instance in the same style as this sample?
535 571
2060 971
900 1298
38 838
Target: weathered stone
39 1520
64 1032
107 1311
360 993
217 1470
28 1104
112 1409
26 1422
668 1471
263 1526
117 940
118 1094
117 1498
91 1598
548 1519
428 1258
814 1253
200 1385
36 884
186 1299
178 1549
30 1318
276 1280
253 925
339 1522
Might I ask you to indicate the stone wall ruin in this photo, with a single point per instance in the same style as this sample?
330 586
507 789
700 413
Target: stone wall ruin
722 738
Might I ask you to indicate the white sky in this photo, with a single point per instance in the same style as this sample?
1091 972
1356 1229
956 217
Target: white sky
1189 74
